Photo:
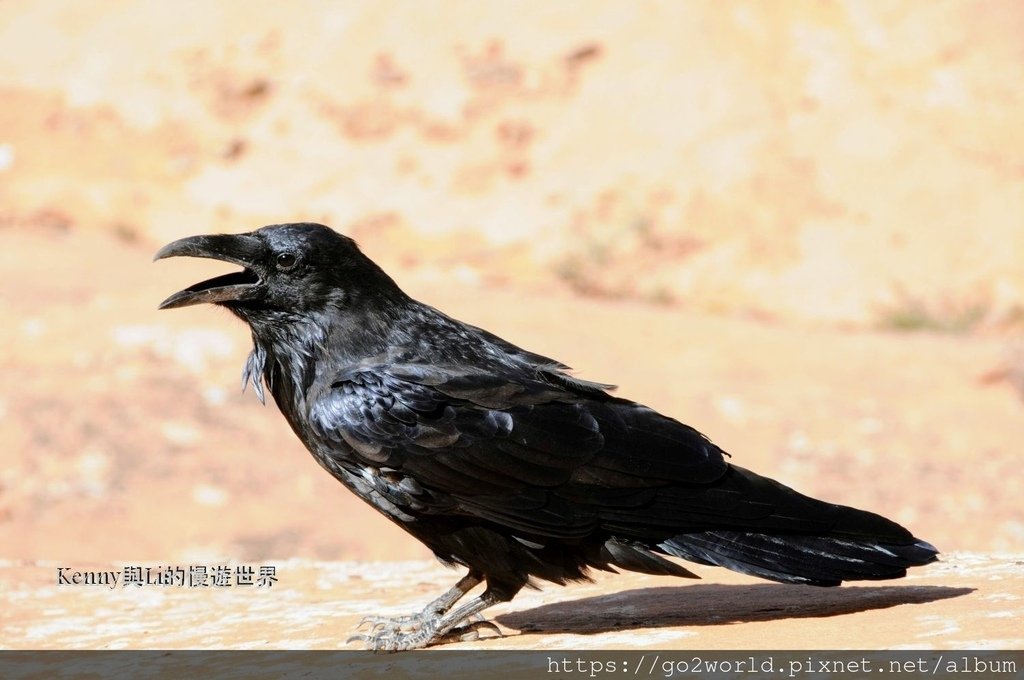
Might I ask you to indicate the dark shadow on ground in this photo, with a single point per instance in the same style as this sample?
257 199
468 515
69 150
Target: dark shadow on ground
713 605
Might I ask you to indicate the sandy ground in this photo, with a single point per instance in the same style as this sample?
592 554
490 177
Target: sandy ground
822 162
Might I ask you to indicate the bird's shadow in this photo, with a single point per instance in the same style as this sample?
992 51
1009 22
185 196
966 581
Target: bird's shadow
714 605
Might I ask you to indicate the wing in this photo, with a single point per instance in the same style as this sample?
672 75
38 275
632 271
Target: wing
543 457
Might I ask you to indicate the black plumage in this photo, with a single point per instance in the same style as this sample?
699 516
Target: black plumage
495 457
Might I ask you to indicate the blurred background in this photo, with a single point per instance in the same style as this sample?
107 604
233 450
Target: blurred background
796 226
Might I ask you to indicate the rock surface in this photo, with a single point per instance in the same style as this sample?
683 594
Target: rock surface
968 601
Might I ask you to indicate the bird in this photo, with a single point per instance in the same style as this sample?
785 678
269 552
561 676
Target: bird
496 458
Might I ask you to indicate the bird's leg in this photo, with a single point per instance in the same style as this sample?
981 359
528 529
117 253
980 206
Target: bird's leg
442 604
434 610
440 628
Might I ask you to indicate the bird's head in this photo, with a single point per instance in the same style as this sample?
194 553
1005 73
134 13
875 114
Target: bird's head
287 269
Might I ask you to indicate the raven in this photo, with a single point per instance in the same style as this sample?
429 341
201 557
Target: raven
496 458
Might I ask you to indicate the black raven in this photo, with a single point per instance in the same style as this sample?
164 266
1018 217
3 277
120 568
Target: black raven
496 458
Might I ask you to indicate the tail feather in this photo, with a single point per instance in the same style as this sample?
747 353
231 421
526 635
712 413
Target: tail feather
813 560
755 525
803 540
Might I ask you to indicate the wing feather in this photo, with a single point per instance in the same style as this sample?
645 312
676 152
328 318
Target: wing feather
528 454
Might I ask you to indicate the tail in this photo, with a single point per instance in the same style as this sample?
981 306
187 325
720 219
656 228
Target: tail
813 560
760 527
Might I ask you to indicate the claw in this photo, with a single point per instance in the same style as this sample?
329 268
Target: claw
378 620
431 626
489 625
471 631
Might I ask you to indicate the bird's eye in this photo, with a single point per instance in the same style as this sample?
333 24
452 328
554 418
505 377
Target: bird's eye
286 261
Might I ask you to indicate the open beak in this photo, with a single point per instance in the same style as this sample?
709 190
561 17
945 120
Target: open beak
241 249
